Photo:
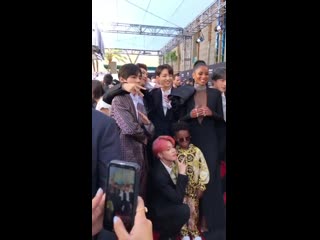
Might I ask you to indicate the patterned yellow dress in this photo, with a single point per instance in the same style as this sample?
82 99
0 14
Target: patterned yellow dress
198 174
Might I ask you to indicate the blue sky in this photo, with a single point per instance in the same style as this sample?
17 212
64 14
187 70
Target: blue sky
177 12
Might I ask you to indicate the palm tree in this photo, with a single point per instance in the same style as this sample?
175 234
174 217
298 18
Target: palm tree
111 54
171 57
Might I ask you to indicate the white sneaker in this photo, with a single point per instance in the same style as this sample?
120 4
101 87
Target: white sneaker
186 238
197 238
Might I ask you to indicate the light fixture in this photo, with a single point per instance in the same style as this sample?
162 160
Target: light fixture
218 28
200 39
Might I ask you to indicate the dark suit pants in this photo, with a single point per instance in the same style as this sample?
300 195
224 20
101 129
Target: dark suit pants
171 219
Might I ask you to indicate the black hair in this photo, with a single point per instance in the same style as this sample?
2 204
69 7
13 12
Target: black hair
178 126
160 68
97 89
142 65
199 63
219 73
107 79
128 70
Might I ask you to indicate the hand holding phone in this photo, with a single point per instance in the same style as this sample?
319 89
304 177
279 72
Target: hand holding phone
122 190
142 229
97 211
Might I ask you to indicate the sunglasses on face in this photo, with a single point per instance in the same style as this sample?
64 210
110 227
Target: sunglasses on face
186 139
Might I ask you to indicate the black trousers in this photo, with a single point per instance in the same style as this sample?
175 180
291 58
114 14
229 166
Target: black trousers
170 221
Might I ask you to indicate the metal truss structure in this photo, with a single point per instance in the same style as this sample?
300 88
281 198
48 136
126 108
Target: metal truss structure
139 52
140 29
208 16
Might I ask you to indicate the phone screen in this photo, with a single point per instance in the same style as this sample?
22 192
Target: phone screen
120 196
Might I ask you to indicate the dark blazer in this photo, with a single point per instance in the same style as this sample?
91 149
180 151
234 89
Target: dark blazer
105 147
161 122
221 126
164 192
222 132
112 92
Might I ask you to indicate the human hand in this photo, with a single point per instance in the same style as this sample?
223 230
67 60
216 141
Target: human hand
182 166
205 111
97 211
145 120
194 113
134 88
142 228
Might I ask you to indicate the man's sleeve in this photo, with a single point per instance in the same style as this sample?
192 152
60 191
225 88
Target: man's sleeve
112 92
109 149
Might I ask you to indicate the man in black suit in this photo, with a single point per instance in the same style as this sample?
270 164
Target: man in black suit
105 147
126 198
219 80
160 111
168 183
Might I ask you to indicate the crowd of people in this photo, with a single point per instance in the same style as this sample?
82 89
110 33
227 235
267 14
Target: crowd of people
176 132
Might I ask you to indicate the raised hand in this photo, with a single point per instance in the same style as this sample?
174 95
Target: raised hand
134 88
182 166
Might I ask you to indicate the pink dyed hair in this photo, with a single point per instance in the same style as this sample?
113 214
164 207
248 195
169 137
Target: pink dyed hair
160 144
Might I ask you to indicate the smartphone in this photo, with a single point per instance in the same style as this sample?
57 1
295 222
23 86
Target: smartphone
122 190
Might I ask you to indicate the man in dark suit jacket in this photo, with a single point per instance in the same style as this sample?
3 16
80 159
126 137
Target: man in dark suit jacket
220 82
126 199
105 147
161 118
167 210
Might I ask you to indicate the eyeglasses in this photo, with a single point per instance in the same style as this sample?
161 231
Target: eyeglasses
186 139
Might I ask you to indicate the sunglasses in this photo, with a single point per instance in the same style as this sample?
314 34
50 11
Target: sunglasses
186 139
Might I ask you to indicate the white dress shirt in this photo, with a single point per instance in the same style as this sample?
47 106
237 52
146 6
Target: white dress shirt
165 103
101 104
171 173
224 106
136 99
